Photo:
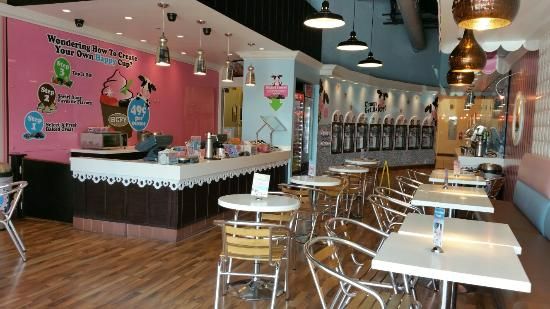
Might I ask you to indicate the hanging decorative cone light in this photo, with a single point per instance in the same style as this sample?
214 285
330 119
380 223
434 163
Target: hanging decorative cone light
324 19
227 74
250 77
200 64
460 78
468 56
163 53
484 14
370 62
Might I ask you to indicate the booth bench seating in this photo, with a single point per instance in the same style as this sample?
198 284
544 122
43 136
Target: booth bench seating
529 218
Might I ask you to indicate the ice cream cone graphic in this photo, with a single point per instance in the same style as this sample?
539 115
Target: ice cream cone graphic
114 99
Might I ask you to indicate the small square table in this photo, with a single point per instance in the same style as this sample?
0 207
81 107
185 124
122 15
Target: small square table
468 199
484 265
438 176
469 231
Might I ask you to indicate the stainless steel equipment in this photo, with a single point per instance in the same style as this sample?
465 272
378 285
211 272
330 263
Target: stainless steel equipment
490 170
210 151
103 140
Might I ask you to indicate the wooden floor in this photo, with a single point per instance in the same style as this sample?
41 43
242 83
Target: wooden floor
76 269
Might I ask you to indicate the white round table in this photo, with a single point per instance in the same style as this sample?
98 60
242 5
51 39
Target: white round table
362 161
315 181
350 169
247 202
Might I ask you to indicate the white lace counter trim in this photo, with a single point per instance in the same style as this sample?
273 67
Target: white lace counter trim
173 184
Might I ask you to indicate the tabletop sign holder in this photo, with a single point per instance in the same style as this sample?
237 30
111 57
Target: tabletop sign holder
260 185
446 179
439 220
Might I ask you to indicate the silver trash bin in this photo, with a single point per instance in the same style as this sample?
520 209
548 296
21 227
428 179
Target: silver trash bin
5 178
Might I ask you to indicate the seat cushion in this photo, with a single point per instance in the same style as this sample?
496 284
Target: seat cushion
533 171
533 205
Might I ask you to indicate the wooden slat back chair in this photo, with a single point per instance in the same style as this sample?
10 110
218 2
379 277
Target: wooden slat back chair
331 200
12 193
351 291
393 193
390 212
418 176
303 193
253 241
355 189
494 185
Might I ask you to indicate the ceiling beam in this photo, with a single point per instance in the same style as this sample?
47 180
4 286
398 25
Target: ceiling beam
36 2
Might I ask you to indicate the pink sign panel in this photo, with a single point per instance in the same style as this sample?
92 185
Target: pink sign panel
63 83
275 91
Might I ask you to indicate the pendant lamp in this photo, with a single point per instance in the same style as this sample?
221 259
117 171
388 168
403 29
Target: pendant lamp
227 74
199 67
460 78
468 56
250 77
370 61
484 14
352 43
324 19
163 53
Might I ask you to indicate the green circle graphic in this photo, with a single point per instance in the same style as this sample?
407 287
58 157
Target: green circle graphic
62 68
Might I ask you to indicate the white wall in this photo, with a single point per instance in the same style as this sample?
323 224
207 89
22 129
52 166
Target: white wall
541 125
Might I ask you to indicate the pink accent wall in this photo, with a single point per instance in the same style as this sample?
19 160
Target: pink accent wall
182 105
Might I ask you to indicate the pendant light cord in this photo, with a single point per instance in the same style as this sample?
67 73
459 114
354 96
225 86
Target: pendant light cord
353 23
227 46
162 19
200 38
372 25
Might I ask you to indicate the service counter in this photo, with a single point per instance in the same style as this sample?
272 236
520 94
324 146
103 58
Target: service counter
139 199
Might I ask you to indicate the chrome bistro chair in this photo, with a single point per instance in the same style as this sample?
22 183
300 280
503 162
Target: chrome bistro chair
257 242
390 212
12 192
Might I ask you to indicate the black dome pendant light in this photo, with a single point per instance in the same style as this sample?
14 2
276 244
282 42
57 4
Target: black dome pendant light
324 19
370 61
352 44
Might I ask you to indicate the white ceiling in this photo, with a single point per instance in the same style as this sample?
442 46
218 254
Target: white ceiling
107 16
526 30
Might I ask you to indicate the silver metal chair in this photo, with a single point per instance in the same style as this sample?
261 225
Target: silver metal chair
418 176
350 286
390 212
407 185
494 185
12 192
393 193
253 241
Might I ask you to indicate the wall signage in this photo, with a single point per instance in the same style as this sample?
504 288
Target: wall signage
62 70
34 124
46 96
138 114
276 92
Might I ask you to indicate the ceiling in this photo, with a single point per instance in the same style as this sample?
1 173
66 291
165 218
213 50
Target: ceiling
528 27
108 16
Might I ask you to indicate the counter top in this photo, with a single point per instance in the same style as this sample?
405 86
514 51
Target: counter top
474 162
176 176
129 149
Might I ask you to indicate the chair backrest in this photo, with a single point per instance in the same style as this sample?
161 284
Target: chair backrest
390 212
336 191
251 240
348 285
393 193
494 185
300 192
12 193
418 176
407 185
346 228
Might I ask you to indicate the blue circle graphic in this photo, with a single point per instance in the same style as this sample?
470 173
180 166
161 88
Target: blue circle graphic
34 122
138 114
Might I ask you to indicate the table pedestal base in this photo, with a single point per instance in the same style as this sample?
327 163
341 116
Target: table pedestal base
256 290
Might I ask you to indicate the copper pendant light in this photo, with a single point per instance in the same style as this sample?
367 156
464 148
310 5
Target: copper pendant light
460 78
468 56
484 14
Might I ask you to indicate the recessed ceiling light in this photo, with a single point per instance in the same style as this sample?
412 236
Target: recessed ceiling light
230 54
128 17
343 80
119 33
183 53
179 36
331 77
143 41
261 48
355 83
65 10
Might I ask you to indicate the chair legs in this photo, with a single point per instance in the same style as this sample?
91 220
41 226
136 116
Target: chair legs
15 239
217 299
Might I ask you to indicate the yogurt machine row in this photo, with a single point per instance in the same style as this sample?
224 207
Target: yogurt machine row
352 133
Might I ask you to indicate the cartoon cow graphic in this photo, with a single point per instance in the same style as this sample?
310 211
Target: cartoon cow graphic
146 88
382 96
